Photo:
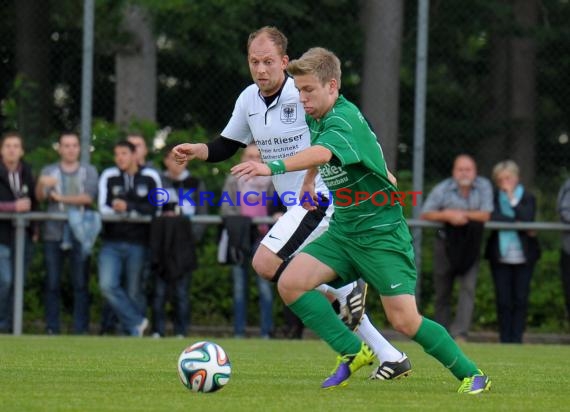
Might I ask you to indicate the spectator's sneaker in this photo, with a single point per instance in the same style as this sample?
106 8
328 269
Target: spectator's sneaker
393 370
347 365
141 328
351 313
475 384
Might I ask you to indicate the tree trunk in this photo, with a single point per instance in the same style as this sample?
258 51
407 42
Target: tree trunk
381 74
523 93
494 145
32 61
135 65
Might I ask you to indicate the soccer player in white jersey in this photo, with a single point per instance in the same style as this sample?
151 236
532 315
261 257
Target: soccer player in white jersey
269 113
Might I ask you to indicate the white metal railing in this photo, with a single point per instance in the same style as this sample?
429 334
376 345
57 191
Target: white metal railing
21 221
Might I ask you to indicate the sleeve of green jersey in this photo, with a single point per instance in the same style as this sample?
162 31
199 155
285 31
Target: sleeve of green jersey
338 138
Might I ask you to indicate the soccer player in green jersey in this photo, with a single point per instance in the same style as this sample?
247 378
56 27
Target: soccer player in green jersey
367 236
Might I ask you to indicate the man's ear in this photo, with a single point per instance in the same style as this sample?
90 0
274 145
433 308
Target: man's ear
333 85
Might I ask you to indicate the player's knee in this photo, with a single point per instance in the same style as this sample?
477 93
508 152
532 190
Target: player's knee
263 267
287 289
406 325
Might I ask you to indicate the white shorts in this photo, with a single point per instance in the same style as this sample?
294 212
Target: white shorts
297 228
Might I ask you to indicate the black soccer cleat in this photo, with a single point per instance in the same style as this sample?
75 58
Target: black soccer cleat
393 370
351 313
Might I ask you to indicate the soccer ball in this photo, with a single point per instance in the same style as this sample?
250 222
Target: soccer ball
204 367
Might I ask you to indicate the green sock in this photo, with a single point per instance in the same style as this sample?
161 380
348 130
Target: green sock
318 315
438 343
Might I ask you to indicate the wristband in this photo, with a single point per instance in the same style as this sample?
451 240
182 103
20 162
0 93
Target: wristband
277 167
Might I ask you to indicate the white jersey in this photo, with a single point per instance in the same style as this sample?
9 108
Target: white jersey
279 131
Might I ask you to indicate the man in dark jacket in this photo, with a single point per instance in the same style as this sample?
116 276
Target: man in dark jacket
16 196
123 191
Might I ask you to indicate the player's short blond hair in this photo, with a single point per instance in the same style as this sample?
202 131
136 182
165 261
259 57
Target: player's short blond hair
505 166
318 61
274 34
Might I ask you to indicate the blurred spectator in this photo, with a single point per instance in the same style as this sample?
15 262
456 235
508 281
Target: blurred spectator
141 152
66 185
463 203
123 191
242 239
108 318
564 211
16 196
141 149
511 253
173 240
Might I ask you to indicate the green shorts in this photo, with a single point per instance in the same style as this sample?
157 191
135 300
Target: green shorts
384 260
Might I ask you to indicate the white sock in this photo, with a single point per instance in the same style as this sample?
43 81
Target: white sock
324 288
373 338
341 293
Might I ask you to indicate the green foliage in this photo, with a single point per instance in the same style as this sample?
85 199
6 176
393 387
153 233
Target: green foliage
21 94
202 48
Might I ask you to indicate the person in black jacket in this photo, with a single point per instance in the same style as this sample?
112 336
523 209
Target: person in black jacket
124 190
173 246
16 196
511 253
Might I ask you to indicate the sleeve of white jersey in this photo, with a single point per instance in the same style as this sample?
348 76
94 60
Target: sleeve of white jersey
238 127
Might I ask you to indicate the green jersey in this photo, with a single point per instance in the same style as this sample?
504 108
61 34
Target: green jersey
356 175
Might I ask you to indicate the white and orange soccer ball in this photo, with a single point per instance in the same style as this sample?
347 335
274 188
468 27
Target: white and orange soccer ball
204 367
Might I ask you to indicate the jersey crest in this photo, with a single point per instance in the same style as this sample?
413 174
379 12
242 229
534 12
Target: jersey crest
289 113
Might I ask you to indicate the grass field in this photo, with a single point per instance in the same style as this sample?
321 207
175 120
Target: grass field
40 373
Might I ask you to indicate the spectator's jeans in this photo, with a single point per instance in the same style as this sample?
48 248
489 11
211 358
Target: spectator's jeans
178 289
116 258
6 278
7 273
240 276
512 288
565 271
443 281
54 260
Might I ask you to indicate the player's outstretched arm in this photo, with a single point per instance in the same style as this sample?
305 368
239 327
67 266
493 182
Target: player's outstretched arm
305 159
249 169
185 152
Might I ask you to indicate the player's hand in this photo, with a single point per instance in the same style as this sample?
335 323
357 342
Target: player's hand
250 169
308 192
185 152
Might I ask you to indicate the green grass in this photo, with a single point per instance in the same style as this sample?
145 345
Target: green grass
40 373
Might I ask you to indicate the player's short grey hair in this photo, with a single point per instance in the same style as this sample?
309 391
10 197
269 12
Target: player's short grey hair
505 165
318 61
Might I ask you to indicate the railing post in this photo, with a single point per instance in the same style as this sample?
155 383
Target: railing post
20 223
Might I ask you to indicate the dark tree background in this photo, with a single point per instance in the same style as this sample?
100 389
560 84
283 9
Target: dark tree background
498 87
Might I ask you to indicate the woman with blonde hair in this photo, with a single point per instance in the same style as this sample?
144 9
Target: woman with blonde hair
512 253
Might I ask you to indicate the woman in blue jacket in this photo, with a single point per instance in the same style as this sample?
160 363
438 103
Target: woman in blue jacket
512 253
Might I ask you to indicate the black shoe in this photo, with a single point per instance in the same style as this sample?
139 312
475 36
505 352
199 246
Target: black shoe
393 370
351 313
